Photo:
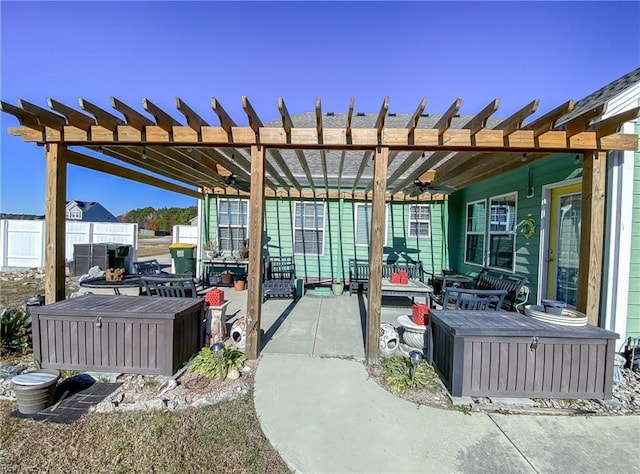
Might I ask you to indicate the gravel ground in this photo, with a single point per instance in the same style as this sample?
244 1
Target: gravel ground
15 286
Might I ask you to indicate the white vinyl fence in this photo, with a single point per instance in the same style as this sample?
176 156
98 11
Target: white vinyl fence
185 234
22 242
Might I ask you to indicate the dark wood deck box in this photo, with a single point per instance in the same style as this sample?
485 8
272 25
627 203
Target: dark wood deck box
128 334
506 354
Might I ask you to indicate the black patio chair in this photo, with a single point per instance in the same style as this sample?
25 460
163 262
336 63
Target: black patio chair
169 286
148 267
473 300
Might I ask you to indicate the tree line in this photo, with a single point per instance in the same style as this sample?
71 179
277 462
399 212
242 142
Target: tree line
159 219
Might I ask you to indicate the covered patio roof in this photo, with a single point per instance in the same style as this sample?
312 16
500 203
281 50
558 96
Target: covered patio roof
376 158
313 154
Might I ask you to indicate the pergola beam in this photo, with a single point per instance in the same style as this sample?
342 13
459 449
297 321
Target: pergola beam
101 166
55 222
103 118
459 161
594 181
74 117
256 225
287 126
374 296
163 119
547 121
45 117
193 119
134 118
579 123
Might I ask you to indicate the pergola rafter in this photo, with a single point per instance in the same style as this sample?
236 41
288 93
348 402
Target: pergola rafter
198 156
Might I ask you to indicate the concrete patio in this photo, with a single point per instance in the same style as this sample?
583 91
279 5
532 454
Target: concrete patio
326 326
325 414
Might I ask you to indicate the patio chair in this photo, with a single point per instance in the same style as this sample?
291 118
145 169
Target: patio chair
169 287
279 278
148 267
473 300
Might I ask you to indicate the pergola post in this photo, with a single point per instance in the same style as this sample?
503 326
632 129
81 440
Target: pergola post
256 224
374 296
55 222
592 234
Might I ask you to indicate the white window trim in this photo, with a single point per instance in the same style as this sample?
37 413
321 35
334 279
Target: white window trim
236 226
355 223
483 233
294 228
428 236
498 232
74 214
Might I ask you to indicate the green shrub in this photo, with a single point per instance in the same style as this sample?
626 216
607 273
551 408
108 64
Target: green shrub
397 373
15 331
206 362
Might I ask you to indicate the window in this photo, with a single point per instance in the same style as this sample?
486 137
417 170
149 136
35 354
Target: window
474 237
419 220
363 224
74 214
502 235
232 224
308 229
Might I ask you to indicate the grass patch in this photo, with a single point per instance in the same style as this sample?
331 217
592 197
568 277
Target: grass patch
220 438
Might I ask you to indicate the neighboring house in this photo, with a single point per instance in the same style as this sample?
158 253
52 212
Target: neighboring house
88 212
489 220
526 221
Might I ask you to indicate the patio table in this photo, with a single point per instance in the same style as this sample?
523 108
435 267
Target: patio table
413 289
130 285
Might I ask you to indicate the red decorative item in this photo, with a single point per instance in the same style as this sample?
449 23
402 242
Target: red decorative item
404 277
395 278
214 297
420 314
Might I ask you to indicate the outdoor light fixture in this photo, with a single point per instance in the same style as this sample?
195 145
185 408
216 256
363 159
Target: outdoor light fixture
217 349
144 153
524 157
416 358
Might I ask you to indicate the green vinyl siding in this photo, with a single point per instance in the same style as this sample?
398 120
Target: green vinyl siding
554 169
339 237
633 306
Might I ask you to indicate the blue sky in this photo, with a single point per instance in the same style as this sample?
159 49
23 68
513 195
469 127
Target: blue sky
516 51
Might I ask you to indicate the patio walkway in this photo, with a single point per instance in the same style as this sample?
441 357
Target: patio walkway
331 326
326 415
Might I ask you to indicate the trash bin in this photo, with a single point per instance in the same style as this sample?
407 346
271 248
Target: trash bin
118 254
184 259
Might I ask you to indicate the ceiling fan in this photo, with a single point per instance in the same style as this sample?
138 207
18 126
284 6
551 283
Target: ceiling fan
421 187
236 183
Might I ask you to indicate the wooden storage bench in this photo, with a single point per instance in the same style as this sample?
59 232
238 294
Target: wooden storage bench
128 334
505 354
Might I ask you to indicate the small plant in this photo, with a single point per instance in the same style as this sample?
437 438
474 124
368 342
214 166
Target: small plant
397 372
211 248
15 331
206 362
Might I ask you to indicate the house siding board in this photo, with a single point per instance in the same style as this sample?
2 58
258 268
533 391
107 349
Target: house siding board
554 169
339 242
633 305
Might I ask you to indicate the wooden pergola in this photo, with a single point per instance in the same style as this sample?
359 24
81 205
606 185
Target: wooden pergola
408 162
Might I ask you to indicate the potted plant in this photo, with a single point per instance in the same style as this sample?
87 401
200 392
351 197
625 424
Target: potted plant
337 287
211 249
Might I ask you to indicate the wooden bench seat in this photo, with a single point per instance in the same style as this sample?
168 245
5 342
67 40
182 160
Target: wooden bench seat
359 272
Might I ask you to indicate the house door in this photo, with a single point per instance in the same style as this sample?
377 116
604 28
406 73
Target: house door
564 243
